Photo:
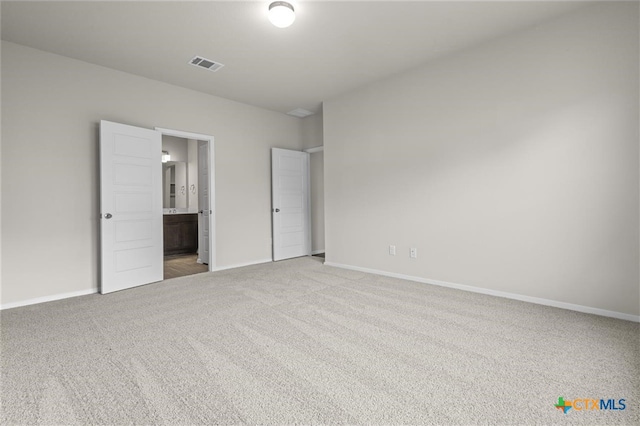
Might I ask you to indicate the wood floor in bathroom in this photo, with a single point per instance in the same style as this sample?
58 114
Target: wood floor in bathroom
181 265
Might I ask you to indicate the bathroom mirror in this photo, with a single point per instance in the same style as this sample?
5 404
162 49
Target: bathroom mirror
174 185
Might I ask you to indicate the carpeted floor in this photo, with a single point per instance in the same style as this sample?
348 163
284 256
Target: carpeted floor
300 342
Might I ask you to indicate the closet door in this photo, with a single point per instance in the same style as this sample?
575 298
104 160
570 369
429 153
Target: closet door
290 213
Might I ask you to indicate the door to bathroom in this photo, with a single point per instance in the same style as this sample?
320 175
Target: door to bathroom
130 206
203 202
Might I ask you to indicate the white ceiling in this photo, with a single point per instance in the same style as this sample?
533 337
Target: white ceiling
332 47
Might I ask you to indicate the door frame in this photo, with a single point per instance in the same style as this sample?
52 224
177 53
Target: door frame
311 151
212 188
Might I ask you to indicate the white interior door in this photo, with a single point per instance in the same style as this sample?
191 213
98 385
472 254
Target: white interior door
130 206
204 202
291 204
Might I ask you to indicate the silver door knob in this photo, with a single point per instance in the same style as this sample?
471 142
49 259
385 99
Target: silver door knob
108 216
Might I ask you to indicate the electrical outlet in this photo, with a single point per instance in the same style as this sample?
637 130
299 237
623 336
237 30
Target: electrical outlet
413 253
392 250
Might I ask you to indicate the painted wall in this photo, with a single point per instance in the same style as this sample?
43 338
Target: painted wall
512 166
312 136
50 118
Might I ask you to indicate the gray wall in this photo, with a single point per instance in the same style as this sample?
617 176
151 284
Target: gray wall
511 167
50 117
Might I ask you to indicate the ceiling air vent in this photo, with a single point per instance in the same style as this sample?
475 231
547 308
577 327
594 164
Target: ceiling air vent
300 113
205 63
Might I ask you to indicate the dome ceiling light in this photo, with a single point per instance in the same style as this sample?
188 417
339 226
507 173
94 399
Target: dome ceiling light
281 14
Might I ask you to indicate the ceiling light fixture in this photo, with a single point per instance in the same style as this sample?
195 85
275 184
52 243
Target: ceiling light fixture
281 14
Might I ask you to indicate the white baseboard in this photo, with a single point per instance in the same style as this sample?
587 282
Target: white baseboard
85 292
240 265
317 251
506 295
47 299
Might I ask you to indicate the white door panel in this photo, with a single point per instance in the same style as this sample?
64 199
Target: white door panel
131 206
290 197
204 202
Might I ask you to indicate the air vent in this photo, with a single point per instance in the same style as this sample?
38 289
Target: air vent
205 63
300 113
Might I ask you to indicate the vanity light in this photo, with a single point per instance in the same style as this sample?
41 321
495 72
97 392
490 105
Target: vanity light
165 156
281 14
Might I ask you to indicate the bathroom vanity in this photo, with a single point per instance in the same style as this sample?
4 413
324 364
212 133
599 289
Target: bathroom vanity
180 233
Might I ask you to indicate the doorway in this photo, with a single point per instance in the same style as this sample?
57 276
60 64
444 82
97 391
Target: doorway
188 203
316 179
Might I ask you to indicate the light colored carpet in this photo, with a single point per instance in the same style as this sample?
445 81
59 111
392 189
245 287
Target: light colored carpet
300 342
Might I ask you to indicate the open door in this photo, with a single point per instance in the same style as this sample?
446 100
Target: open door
291 204
130 206
204 203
